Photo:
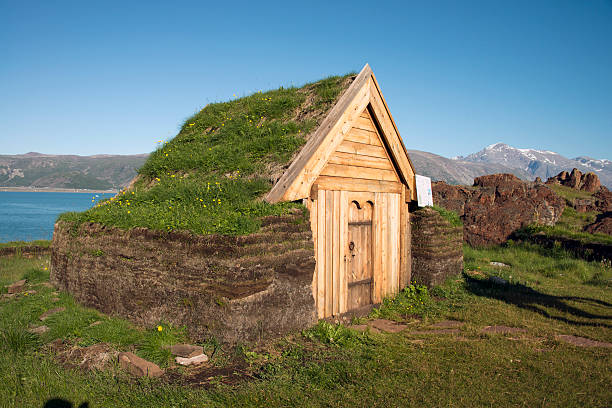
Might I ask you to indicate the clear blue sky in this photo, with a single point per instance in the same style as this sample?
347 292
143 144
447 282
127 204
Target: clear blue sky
115 77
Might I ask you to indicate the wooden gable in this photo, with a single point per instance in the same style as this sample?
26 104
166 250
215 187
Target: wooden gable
360 112
361 161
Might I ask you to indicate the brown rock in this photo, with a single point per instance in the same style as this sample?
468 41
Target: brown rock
50 312
451 197
603 200
186 350
137 366
387 325
587 182
582 341
575 179
498 205
602 225
16 287
590 183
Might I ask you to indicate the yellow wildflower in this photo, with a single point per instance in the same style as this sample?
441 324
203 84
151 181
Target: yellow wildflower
159 328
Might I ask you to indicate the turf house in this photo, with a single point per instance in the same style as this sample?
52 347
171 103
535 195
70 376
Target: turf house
262 215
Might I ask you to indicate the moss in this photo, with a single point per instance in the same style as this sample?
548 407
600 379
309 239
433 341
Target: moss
212 176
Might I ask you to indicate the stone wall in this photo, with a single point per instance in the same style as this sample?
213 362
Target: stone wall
236 289
437 248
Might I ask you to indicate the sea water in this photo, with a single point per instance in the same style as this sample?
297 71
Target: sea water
27 216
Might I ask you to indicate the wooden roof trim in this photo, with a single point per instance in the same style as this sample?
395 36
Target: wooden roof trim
297 180
285 188
392 136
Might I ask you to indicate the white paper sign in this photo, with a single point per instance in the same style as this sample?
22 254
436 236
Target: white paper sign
423 188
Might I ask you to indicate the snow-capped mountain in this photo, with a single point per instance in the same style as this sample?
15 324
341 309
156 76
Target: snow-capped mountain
539 163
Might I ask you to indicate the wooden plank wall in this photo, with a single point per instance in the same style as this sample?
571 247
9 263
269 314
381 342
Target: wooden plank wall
329 219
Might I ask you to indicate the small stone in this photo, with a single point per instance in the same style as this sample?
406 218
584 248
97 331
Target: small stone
497 280
186 350
582 341
387 325
202 358
500 264
137 366
39 330
50 312
16 287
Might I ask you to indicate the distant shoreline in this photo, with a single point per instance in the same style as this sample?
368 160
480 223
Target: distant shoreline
54 190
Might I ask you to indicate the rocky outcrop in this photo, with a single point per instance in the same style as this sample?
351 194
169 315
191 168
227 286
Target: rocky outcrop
235 288
586 182
602 225
497 205
437 248
601 201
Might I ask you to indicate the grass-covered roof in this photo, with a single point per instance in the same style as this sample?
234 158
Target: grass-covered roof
212 176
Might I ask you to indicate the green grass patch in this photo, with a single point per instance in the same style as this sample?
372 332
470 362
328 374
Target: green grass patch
449 215
211 177
570 194
19 244
548 293
562 231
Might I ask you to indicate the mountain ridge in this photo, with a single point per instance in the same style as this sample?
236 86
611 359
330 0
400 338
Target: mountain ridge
95 172
539 163
108 171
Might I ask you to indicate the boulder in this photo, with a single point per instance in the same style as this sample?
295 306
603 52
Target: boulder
497 205
575 179
602 200
591 183
451 197
586 182
137 366
602 225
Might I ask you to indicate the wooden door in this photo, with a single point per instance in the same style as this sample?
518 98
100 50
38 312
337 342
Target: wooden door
359 262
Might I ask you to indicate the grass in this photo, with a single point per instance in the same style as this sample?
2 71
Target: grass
449 215
210 178
569 194
19 244
571 224
548 293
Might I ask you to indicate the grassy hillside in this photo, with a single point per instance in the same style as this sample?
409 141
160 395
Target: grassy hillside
210 178
549 294
51 171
